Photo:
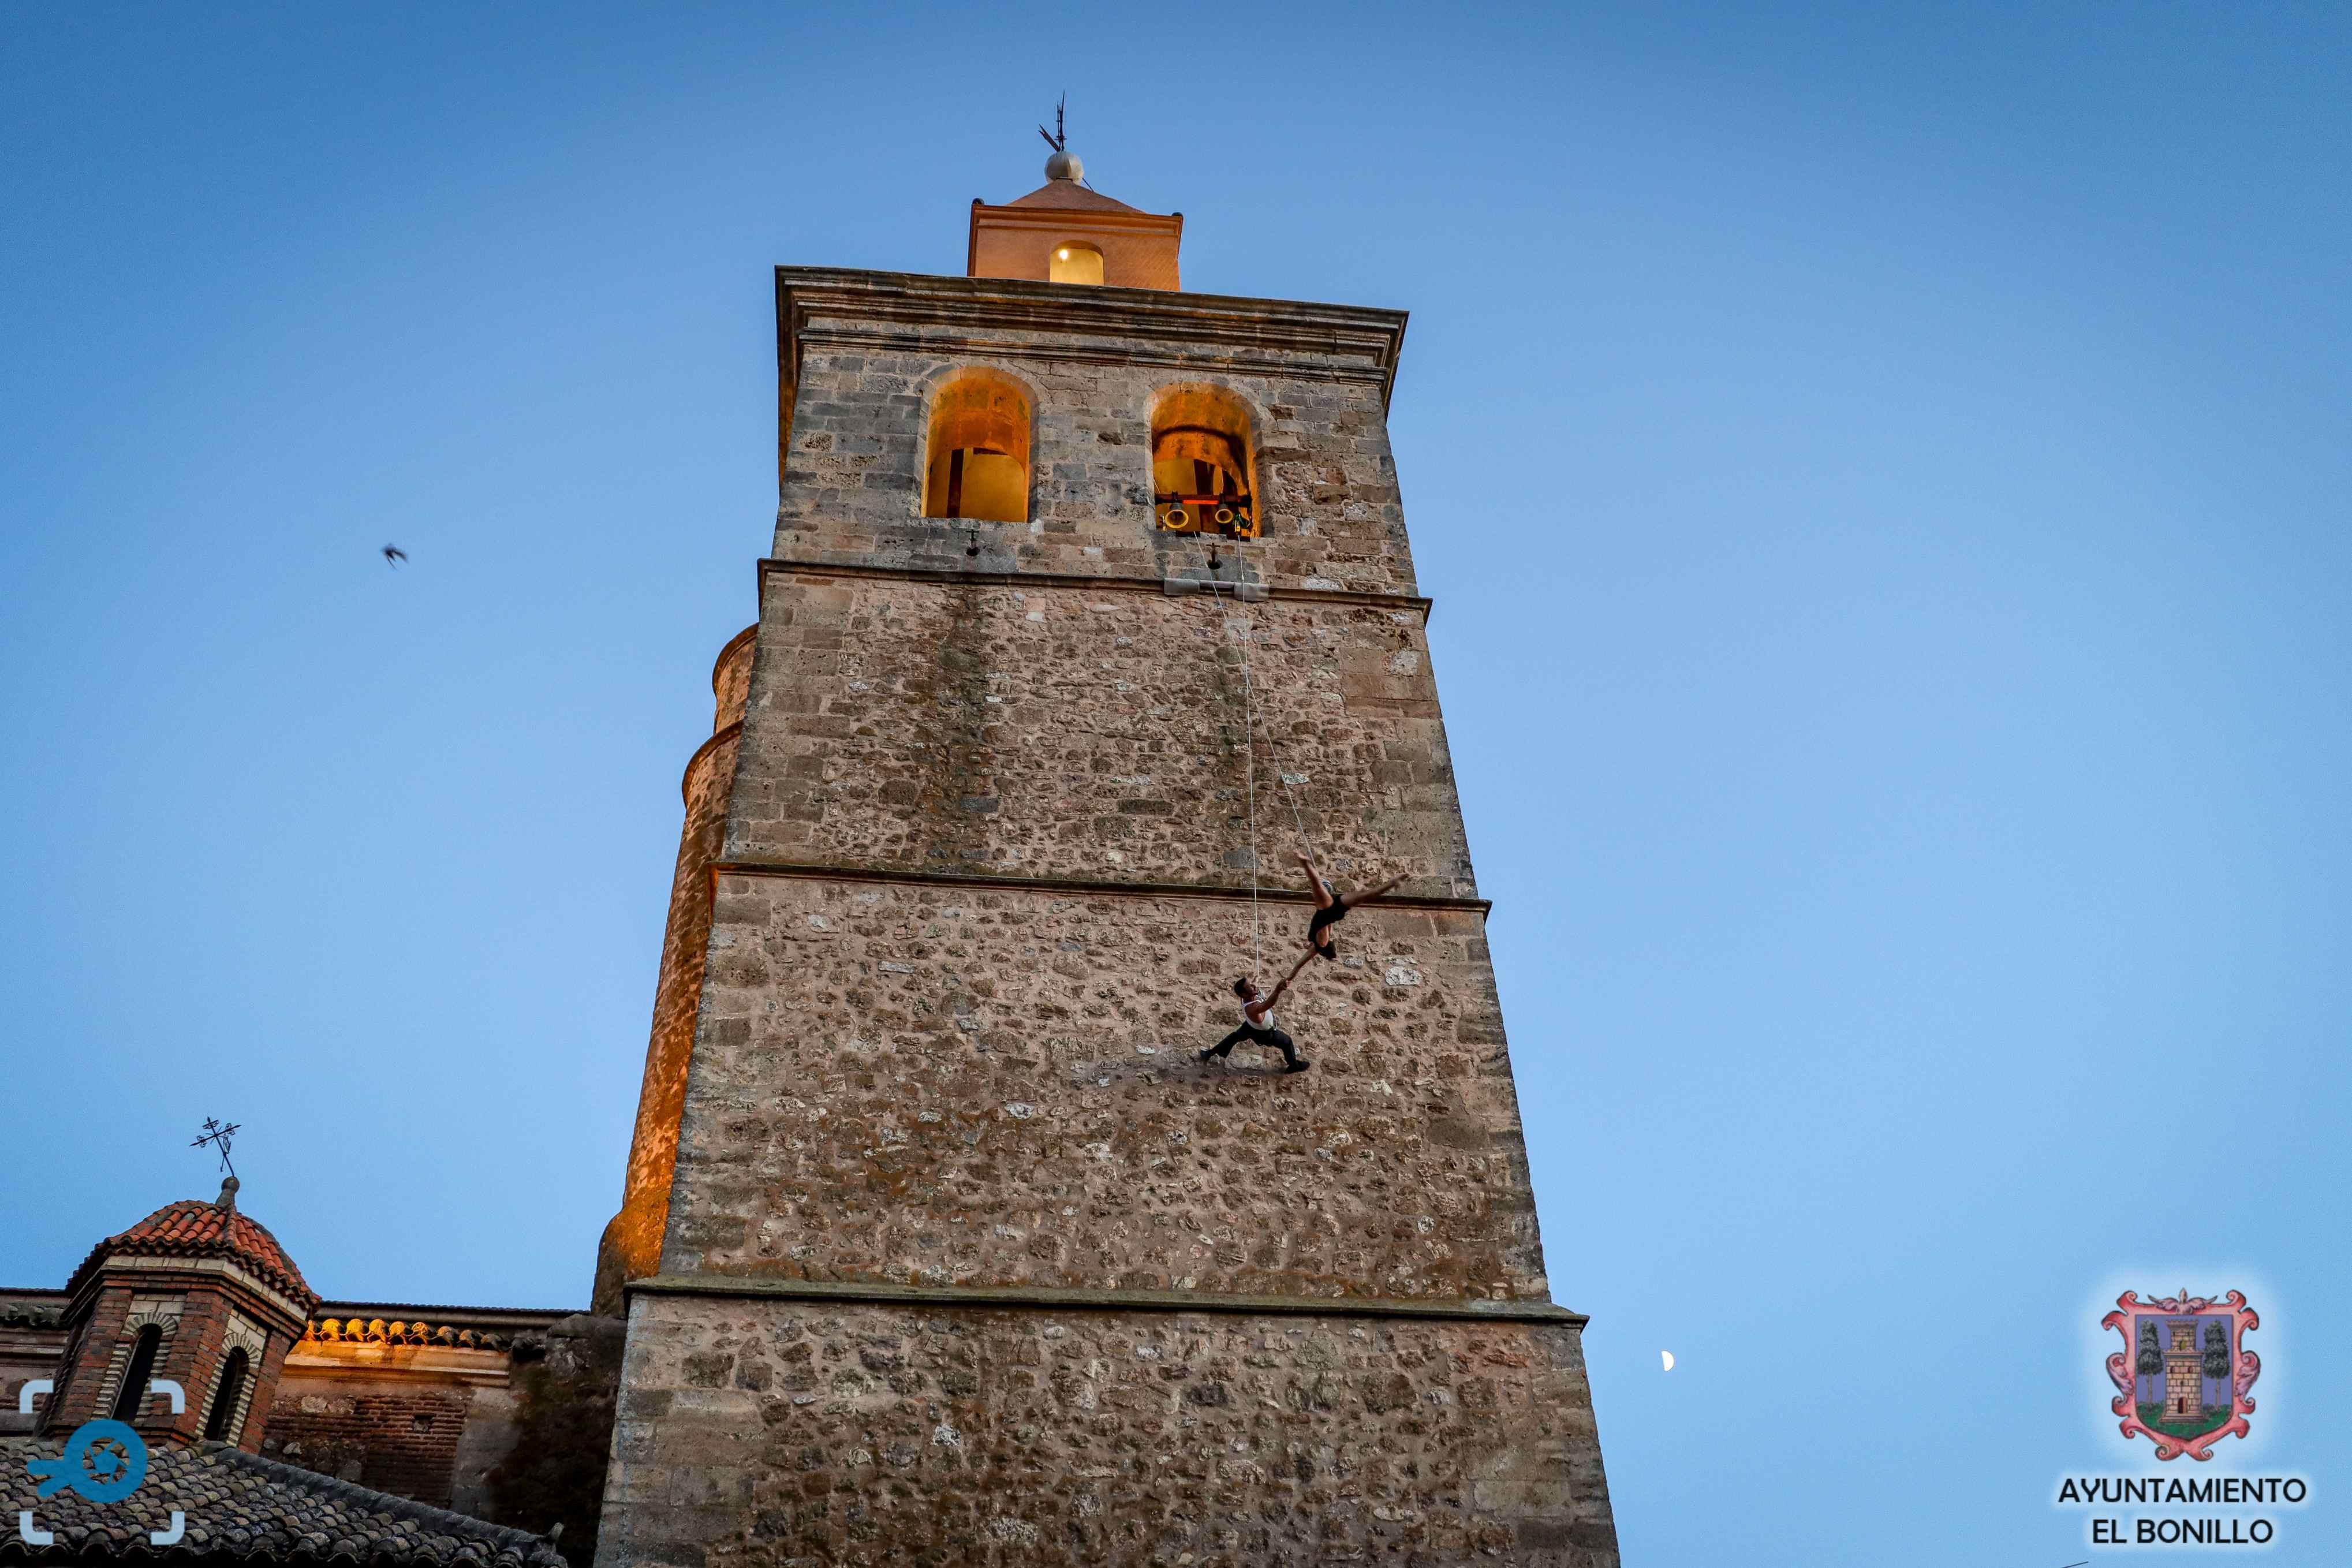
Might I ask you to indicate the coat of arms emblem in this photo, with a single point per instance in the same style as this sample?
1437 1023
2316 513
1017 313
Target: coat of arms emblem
2182 1377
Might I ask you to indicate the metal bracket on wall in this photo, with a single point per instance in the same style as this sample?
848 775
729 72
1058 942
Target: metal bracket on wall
1250 593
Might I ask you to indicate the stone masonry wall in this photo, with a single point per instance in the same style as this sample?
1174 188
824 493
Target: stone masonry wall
1092 734
1330 512
985 883
758 1434
972 1086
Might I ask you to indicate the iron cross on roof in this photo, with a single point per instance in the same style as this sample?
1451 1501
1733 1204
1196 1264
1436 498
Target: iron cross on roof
219 1133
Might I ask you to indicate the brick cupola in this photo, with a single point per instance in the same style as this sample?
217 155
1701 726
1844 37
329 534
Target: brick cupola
195 1294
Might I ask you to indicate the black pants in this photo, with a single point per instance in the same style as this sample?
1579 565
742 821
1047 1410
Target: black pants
1274 1037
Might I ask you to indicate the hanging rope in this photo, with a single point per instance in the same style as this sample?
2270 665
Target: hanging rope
1249 733
1249 773
1288 796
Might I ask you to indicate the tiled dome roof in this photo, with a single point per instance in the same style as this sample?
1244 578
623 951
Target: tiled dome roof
195 1228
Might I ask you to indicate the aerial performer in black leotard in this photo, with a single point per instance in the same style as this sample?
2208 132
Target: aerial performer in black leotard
1331 907
1257 1022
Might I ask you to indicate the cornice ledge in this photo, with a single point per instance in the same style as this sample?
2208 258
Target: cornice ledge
222 1267
740 865
1052 1298
1373 334
1083 582
717 738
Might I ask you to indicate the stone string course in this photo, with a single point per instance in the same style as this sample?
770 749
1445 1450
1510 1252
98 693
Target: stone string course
778 1435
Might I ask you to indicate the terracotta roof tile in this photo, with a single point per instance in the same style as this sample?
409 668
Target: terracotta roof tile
195 1228
240 1506
1070 193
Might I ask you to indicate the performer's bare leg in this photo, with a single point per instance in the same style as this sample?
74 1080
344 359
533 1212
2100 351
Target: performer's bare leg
1356 901
1315 882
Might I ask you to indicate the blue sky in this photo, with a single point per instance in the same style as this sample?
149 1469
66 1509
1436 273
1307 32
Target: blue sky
1881 470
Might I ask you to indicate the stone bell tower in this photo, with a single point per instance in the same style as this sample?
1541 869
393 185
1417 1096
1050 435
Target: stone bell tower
1089 601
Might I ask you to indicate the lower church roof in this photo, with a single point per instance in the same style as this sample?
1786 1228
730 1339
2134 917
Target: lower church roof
239 1506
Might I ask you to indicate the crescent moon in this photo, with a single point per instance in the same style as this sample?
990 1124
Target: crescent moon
1667 1357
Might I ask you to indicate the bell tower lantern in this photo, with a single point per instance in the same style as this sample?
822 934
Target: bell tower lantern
1065 231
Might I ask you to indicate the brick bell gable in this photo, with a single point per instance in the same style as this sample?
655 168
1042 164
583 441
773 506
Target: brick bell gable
199 1283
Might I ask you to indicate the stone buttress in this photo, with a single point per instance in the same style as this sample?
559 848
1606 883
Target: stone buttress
632 1242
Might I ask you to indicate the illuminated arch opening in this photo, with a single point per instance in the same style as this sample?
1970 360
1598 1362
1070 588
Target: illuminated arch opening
1074 261
977 460
1201 463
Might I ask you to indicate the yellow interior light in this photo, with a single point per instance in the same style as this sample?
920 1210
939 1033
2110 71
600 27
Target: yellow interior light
1075 262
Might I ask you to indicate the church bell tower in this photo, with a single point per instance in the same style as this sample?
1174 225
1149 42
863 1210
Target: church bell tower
1090 602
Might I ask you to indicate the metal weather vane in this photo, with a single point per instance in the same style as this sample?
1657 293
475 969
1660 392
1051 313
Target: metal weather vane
1058 139
219 1133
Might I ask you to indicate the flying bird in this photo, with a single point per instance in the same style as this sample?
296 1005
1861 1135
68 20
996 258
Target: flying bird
394 555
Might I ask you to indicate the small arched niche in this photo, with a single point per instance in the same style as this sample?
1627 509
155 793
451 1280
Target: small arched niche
130 1398
221 1424
1074 261
1202 463
977 460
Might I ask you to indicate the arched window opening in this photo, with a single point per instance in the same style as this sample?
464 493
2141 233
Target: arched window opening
1200 464
978 461
1074 263
132 1397
225 1398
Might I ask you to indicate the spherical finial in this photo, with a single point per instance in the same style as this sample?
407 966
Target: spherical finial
228 1200
1065 165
